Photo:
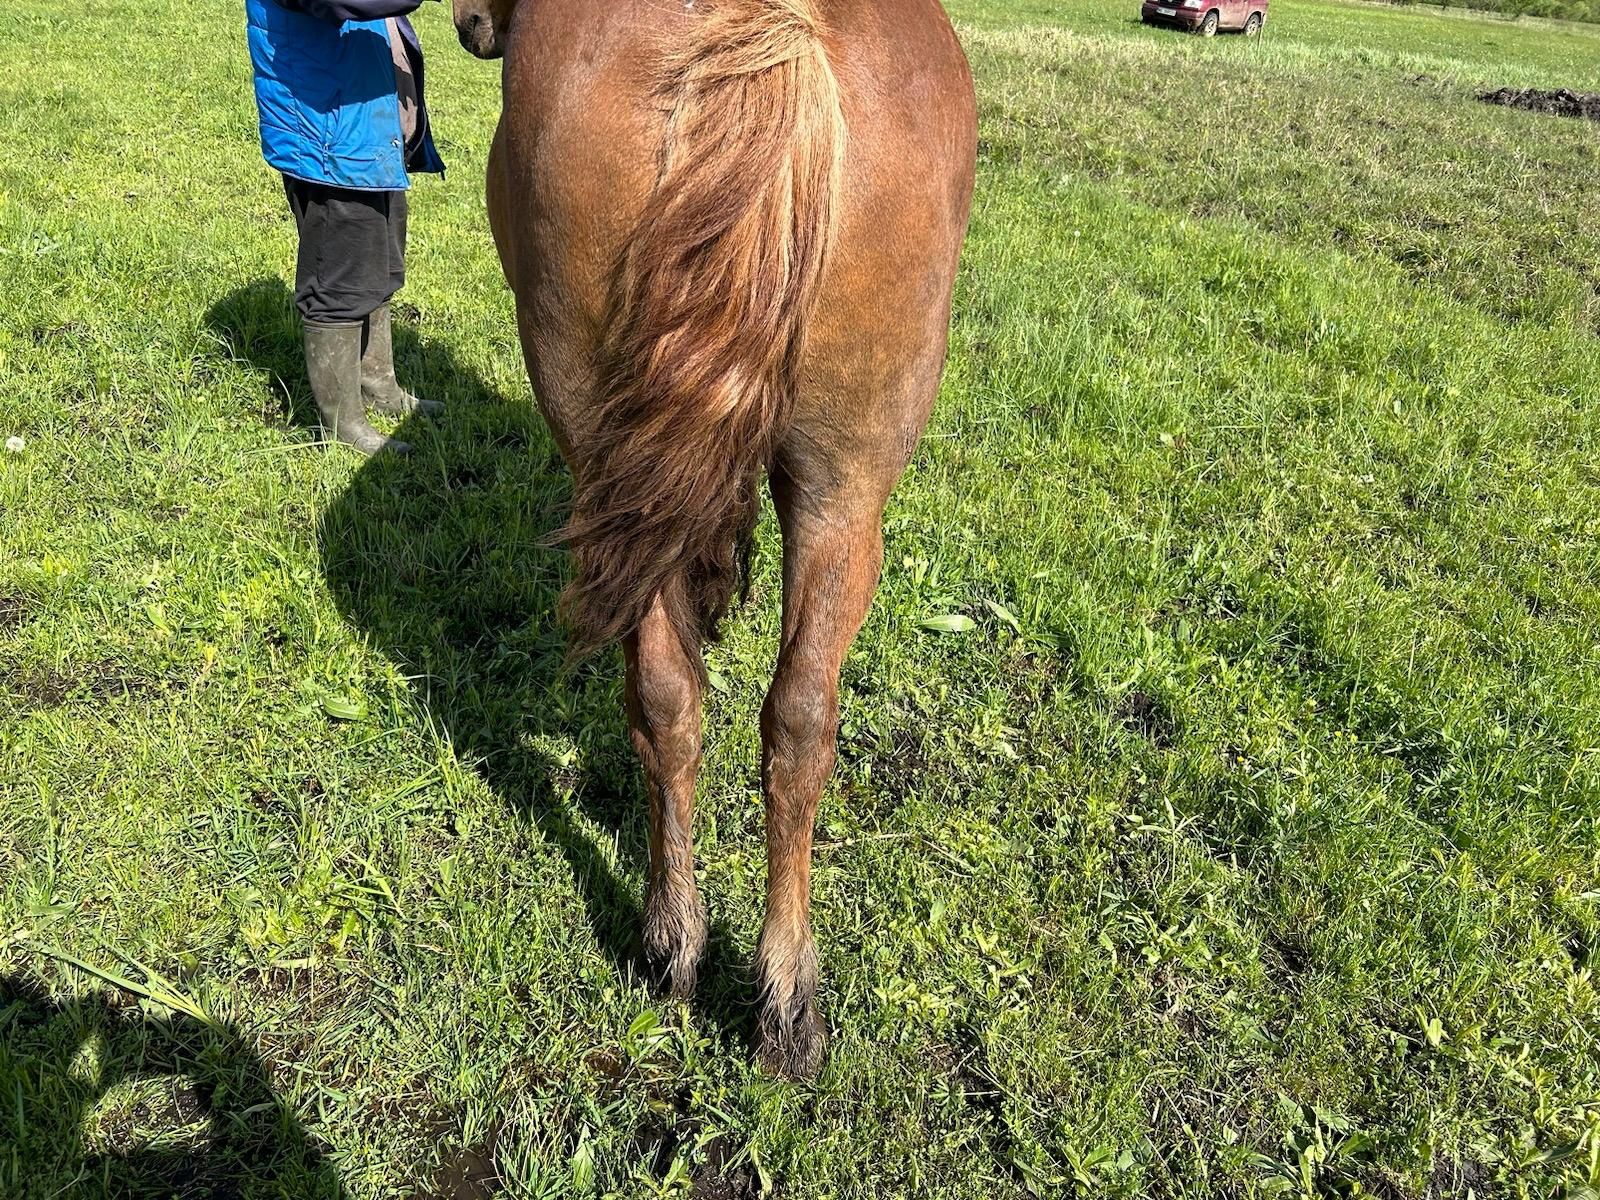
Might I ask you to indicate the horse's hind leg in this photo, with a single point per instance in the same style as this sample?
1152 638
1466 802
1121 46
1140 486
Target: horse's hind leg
832 552
663 694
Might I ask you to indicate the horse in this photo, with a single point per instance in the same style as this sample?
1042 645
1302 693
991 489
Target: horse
731 228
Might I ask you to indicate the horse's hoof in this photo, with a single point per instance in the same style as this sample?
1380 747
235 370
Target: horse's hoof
792 1045
674 943
671 976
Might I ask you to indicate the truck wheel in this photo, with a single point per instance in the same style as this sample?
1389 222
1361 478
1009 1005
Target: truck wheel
1208 27
1253 25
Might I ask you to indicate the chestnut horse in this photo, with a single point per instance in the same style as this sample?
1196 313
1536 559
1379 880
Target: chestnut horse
731 228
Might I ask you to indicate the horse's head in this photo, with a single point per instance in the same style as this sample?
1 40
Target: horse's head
482 25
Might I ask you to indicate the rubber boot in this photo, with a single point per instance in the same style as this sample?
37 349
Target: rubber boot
333 363
379 388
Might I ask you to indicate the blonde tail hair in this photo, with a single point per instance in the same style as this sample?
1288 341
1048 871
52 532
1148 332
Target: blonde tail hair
709 310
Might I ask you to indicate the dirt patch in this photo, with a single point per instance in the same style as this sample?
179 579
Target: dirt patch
718 1179
971 1074
1150 718
464 478
1450 1177
510 439
41 689
1381 1185
898 770
467 1174
1557 103
718 1170
610 1065
15 612
40 334
466 1170
1288 959
311 996
175 1106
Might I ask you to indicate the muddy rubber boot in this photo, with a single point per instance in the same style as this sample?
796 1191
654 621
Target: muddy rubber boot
333 363
379 388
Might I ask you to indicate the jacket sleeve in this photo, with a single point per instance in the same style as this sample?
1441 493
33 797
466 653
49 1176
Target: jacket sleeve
352 10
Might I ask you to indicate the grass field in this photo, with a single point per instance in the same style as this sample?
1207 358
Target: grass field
1245 846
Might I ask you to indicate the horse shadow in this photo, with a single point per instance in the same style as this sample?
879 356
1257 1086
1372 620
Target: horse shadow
441 559
114 1101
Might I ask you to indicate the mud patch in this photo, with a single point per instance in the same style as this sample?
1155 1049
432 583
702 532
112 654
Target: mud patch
1450 1176
1557 103
719 1179
467 1174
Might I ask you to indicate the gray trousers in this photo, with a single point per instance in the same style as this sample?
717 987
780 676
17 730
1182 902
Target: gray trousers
352 250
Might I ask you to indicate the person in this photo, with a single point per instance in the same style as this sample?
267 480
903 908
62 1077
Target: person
338 84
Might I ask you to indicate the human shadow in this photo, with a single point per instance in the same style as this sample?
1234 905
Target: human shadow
257 325
112 1101
441 558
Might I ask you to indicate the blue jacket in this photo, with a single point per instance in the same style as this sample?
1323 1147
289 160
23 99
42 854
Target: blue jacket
325 87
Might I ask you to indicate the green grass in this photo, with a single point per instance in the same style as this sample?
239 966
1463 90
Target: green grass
1246 846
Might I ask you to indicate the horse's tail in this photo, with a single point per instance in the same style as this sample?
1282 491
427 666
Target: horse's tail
708 317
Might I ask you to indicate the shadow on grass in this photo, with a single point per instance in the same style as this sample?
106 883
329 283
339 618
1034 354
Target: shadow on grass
439 558
109 1101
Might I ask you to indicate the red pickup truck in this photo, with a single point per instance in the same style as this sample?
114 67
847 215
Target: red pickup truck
1207 17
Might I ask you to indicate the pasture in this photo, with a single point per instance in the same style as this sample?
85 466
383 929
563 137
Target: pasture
1217 798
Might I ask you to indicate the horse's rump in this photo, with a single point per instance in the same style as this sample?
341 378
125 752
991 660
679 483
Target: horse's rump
707 320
